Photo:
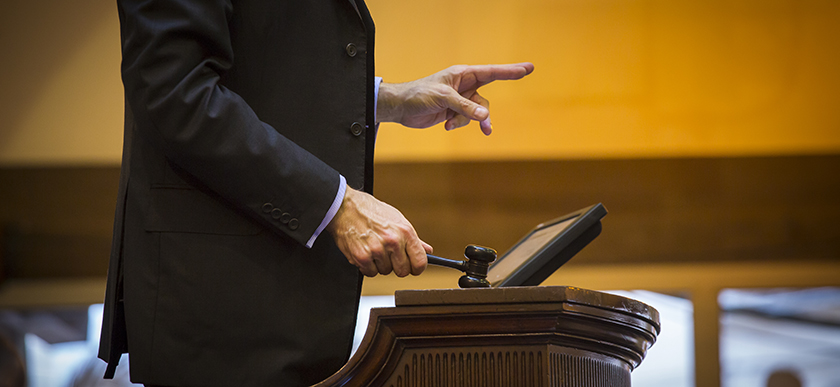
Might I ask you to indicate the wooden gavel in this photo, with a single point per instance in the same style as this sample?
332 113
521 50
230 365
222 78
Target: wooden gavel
475 266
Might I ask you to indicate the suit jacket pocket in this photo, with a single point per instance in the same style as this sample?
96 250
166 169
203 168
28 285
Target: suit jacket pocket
186 209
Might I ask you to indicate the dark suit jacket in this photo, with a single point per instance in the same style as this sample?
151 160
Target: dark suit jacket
240 115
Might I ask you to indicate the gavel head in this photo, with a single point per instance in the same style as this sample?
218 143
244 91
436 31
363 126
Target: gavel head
478 263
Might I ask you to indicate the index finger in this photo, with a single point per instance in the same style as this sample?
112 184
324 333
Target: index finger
417 256
484 74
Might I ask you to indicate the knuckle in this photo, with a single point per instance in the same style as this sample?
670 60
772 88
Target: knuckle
391 240
361 257
375 252
405 228
363 261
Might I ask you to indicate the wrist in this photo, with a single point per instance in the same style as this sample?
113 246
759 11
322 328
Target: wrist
388 102
347 205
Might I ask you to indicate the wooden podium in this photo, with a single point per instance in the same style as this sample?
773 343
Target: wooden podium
517 336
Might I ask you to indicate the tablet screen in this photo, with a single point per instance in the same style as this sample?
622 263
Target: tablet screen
528 248
547 247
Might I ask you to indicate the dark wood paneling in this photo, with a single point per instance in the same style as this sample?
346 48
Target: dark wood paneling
709 209
56 222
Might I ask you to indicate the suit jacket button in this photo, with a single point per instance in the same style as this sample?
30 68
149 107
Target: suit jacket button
276 213
351 50
356 129
293 224
285 218
266 208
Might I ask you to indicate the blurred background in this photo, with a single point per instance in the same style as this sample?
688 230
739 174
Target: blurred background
710 130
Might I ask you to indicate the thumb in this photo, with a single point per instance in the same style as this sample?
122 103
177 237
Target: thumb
466 107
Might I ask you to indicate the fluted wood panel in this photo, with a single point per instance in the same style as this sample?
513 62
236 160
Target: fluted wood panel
470 367
576 371
508 367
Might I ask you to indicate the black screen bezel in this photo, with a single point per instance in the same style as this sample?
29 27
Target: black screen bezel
533 270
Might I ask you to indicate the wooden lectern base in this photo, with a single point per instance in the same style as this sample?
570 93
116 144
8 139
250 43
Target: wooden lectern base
526 336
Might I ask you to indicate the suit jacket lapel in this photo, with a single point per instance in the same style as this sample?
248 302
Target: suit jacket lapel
356 7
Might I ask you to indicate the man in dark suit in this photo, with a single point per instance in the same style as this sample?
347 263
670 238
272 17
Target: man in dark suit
249 132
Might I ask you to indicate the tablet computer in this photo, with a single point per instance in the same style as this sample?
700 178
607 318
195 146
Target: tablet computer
546 247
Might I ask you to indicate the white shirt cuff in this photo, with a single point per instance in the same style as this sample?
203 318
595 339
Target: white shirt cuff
339 198
376 82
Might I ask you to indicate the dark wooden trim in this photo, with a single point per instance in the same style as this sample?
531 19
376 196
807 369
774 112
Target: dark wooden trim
660 210
56 221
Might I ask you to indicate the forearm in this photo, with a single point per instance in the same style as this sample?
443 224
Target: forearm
172 75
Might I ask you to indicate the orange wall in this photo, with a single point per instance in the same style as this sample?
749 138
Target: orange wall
61 95
618 78
614 78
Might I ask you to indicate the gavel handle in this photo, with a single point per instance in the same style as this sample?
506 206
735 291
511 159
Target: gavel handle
458 265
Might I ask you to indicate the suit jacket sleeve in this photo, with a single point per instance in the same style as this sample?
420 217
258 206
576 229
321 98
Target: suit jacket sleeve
175 54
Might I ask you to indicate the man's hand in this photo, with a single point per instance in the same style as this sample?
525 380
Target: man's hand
376 237
450 95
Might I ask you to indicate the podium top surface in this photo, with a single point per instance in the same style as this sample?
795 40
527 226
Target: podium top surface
527 295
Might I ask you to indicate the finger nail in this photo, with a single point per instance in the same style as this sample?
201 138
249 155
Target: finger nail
482 111
486 127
